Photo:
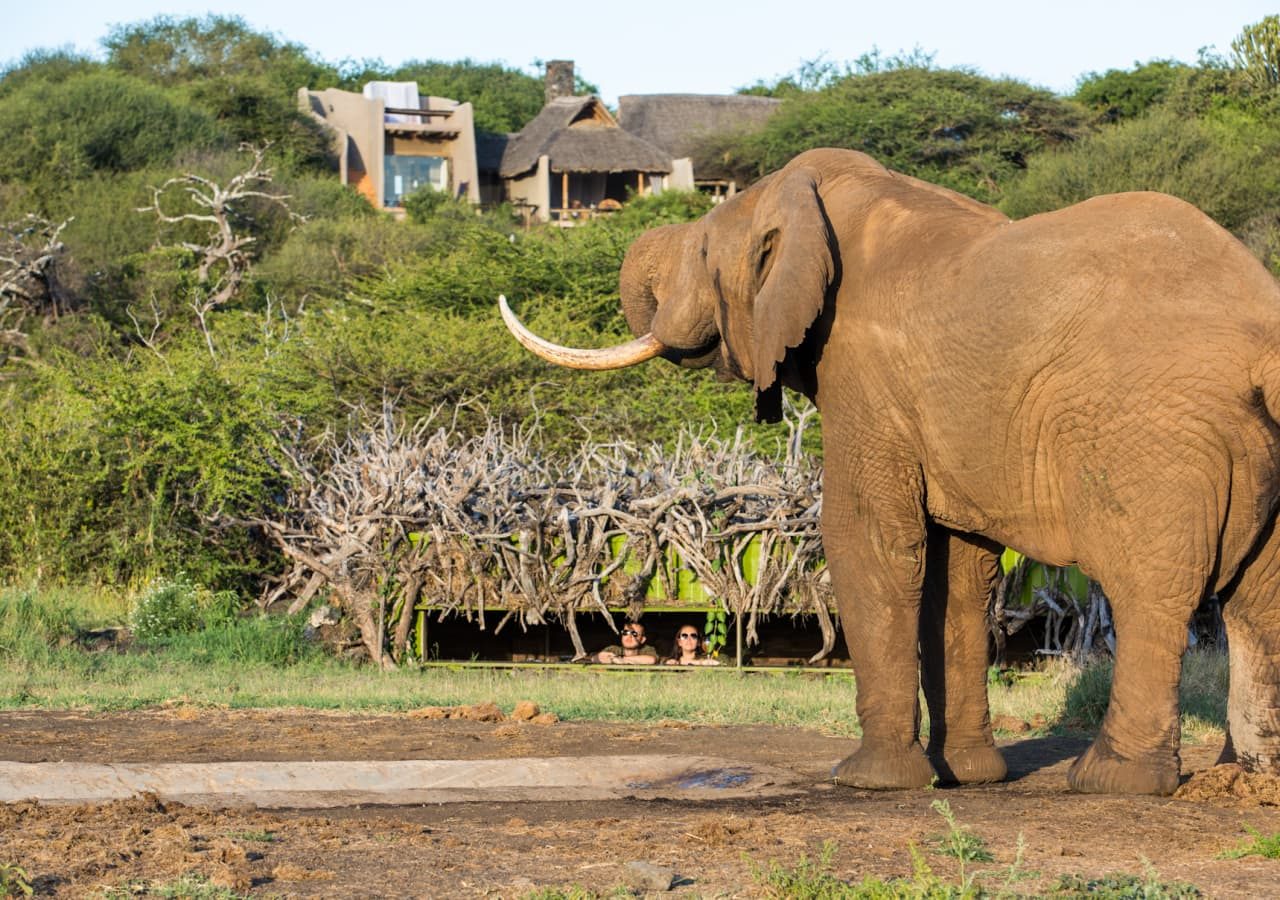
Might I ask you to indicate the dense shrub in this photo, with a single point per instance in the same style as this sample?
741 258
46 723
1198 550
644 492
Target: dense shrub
1219 163
99 121
951 127
1128 93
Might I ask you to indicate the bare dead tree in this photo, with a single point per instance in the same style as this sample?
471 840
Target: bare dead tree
224 257
30 249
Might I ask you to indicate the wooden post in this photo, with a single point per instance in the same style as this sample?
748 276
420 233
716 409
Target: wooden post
639 184
564 193
422 633
737 631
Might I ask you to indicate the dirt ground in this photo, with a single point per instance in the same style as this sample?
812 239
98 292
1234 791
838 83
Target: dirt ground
513 849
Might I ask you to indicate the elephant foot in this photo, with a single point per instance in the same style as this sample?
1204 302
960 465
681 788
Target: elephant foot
1100 770
882 769
971 765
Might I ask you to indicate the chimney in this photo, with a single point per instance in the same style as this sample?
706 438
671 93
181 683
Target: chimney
559 78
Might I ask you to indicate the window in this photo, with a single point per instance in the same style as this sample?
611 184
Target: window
405 174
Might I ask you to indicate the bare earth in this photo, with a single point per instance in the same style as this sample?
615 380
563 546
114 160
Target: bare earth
512 849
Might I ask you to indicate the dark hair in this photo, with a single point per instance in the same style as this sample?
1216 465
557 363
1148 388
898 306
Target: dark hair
675 653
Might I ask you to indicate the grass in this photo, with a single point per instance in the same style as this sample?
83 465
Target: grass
1266 846
816 879
243 662
188 887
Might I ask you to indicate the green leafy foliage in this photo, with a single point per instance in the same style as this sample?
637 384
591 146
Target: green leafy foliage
952 127
14 881
504 99
95 121
1215 162
1128 93
959 841
1123 886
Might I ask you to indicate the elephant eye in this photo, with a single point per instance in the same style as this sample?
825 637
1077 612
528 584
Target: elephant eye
706 239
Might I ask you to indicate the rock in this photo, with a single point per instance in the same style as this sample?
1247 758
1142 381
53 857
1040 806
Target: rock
526 711
645 876
547 718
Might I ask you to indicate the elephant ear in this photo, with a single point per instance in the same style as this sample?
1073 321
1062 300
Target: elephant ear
793 248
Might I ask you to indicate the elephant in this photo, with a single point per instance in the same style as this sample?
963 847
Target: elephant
1097 386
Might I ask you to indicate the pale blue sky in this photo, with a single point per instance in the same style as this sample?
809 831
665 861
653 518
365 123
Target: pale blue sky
666 46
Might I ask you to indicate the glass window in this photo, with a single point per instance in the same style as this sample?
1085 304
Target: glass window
405 174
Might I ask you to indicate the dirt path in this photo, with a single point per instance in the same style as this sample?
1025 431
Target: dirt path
510 849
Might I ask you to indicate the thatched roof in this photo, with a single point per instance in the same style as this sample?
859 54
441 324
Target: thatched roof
677 122
579 135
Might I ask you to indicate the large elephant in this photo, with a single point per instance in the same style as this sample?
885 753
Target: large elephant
1098 385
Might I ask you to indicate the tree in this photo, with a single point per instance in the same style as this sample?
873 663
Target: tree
504 99
1256 52
1219 163
948 126
245 79
1127 93
172 51
98 120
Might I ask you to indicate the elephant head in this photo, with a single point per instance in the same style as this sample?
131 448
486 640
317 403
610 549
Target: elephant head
736 289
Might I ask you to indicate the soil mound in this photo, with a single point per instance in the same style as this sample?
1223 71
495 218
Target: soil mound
1229 781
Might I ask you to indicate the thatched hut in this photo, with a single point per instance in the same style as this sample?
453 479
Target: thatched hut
573 157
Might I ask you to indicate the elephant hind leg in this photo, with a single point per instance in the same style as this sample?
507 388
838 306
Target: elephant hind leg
1252 616
1137 749
960 574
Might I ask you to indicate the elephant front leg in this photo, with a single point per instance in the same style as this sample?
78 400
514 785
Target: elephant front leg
960 573
875 545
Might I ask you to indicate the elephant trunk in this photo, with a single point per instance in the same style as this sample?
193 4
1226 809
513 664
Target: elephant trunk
641 349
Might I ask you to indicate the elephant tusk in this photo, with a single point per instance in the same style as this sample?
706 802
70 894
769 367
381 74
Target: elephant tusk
628 354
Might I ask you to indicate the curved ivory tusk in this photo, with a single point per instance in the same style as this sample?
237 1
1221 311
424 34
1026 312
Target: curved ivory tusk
628 354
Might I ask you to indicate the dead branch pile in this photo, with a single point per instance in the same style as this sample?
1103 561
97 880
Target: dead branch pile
389 518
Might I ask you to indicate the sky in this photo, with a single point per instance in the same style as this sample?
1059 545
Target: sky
687 46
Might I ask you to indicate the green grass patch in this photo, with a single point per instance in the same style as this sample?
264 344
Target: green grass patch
1259 844
811 879
188 887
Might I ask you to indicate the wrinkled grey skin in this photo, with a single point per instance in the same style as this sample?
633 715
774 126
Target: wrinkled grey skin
1098 385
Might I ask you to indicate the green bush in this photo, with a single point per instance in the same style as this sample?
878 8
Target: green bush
1128 93
951 127
1218 163
98 121
168 606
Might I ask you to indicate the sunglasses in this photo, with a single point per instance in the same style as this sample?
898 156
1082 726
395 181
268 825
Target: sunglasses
632 632
691 636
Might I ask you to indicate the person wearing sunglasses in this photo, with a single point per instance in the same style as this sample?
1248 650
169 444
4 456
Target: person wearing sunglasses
688 650
632 651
